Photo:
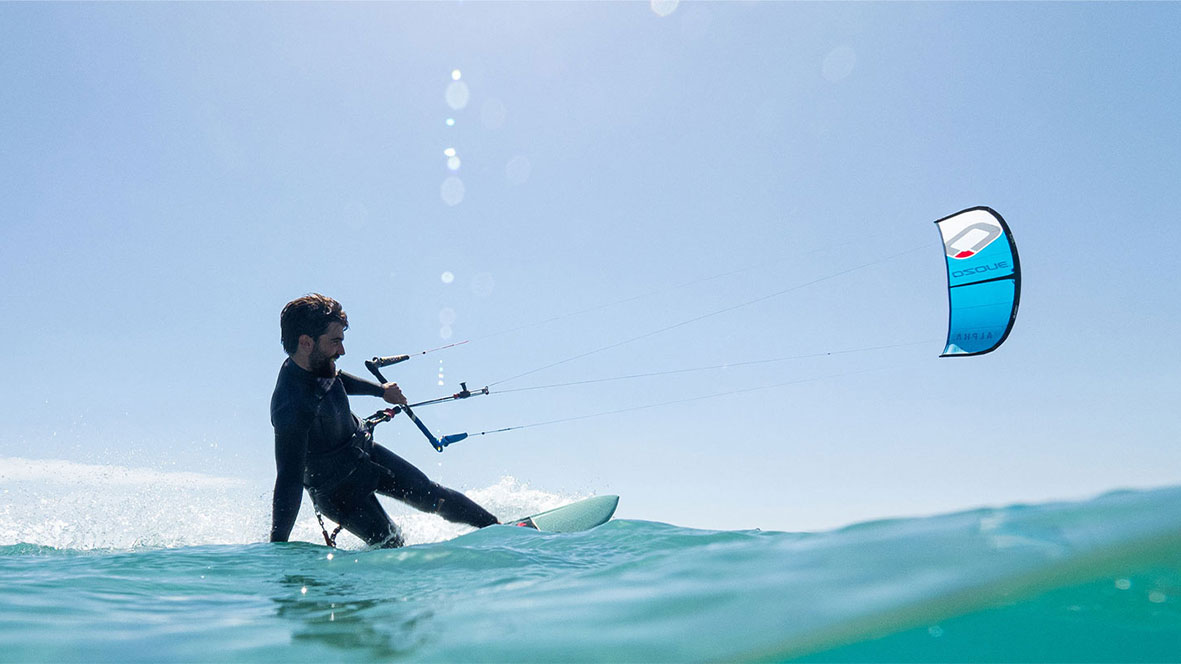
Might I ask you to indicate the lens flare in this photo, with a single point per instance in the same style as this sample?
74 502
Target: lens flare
457 95
663 8
518 170
452 191
839 63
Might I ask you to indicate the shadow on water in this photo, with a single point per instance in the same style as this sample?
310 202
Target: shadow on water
382 627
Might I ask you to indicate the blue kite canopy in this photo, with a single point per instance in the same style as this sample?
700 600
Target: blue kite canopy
983 281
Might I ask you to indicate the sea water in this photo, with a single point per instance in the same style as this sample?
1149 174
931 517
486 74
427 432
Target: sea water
134 581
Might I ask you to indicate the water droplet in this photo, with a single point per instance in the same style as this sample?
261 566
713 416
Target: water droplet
453 163
456 75
1123 584
457 95
1157 597
452 191
447 277
450 122
330 556
445 332
446 316
303 590
664 7
839 63
449 152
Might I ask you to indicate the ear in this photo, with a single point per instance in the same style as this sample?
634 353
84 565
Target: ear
306 343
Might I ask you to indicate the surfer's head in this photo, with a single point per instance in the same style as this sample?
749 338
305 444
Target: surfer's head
313 332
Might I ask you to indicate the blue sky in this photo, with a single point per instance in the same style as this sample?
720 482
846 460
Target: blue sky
171 175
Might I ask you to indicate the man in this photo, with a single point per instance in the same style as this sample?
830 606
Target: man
321 445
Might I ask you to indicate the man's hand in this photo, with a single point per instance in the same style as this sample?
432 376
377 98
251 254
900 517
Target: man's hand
393 394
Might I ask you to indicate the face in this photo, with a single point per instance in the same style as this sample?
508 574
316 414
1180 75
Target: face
327 348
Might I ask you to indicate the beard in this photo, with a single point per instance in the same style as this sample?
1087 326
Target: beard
322 365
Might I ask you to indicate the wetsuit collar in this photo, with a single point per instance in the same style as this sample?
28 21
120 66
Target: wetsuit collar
321 385
297 371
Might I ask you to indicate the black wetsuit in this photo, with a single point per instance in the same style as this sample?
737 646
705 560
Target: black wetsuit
321 445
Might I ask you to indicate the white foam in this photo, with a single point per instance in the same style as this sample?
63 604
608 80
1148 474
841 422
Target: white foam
68 505
507 499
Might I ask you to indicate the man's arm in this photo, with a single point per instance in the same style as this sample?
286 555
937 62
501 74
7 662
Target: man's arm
291 451
355 385
390 391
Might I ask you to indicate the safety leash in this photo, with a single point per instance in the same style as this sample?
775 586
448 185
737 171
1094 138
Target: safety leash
330 540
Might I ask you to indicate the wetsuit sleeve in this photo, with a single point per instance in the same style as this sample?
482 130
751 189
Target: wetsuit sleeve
291 451
354 385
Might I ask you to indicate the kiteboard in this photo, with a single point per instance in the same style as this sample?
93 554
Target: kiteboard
581 515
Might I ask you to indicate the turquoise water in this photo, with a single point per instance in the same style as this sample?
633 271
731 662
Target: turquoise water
1092 581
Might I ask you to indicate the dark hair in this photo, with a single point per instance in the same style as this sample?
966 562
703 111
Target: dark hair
310 315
